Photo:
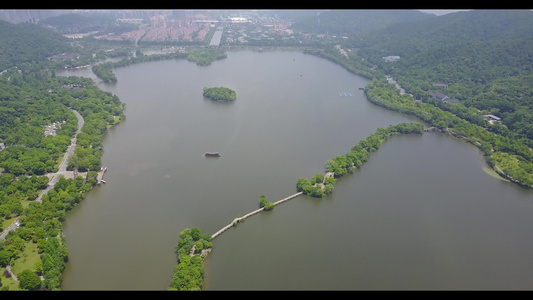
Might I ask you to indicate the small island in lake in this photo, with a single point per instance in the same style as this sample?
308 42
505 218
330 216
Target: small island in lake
220 94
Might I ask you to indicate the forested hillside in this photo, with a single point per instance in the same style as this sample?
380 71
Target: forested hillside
413 36
484 57
351 22
77 23
36 127
27 46
29 15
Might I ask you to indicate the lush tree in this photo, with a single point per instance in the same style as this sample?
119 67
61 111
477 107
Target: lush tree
264 203
28 280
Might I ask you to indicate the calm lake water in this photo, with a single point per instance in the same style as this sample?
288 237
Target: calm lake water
421 214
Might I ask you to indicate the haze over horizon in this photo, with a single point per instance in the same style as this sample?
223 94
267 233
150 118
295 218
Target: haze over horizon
440 12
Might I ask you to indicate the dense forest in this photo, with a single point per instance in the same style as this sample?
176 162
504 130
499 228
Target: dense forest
37 123
29 155
485 59
353 21
481 58
28 46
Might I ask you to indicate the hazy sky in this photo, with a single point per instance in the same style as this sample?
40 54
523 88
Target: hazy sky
439 12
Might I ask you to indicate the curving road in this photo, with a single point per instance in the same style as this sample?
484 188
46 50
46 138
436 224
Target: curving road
55 176
66 158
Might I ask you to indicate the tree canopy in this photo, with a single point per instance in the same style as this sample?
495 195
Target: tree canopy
220 94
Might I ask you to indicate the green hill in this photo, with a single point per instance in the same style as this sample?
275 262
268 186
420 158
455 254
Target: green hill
484 56
24 44
355 21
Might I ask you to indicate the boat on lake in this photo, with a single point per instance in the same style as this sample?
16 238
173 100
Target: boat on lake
212 154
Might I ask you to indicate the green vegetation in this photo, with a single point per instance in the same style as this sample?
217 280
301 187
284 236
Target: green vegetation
220 94
32 98
511 158
41 225
28 46
30 281
264 203
206 57
104 71
357 21
191 250
484 65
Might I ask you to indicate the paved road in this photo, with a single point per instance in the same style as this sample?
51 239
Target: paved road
66 158
55 176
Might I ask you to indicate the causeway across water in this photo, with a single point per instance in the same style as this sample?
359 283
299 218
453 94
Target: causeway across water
237 220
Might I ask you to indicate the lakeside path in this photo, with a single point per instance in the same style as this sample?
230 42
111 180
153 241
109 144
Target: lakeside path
63 165
54 177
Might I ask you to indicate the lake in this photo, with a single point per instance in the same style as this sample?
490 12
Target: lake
420 214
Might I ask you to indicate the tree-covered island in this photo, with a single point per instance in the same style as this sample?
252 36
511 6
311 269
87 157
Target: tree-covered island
220 94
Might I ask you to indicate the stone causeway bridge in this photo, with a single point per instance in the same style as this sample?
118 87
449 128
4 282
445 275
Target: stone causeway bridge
237 220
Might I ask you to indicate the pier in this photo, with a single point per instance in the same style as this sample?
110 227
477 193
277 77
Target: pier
237 220
100 176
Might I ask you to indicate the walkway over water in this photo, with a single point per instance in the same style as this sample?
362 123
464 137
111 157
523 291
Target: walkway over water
237 220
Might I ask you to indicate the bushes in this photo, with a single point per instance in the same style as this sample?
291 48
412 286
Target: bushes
189 272
265 204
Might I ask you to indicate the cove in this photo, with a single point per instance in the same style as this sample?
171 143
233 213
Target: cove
287 121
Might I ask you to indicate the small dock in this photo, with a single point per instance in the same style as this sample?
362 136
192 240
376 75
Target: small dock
100 176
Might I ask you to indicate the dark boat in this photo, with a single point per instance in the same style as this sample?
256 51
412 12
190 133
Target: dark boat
212 154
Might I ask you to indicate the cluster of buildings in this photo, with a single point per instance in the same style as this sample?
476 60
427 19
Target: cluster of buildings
189 26
442 97
167 30
52 128
165 27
